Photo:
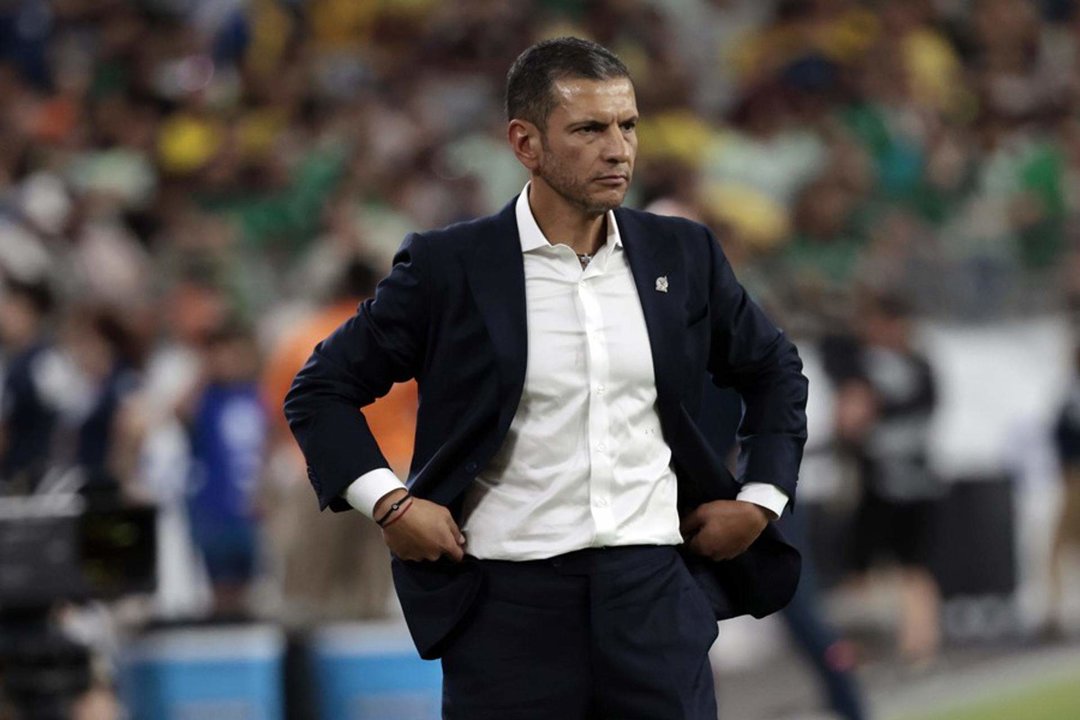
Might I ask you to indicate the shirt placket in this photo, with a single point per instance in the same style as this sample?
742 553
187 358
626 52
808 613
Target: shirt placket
599 366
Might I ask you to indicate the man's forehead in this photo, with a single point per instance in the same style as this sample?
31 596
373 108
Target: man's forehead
614 93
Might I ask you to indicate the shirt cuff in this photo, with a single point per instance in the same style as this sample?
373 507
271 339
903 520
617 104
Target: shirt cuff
764 495
365 491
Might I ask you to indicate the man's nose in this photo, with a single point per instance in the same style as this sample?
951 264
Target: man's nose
617 148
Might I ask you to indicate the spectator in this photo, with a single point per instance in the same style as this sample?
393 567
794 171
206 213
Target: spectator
104 354
885 398
1067 532
229 433
33 385
332 567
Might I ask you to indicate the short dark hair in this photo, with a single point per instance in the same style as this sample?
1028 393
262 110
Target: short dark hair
531 77
231 328
356 281
892 304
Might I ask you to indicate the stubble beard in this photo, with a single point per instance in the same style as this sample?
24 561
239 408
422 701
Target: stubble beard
576 192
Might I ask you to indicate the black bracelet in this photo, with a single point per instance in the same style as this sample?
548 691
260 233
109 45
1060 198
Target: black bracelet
393 509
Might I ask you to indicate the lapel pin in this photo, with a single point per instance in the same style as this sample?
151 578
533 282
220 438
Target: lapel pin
661 283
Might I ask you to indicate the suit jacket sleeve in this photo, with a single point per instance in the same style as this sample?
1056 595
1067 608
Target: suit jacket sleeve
750 354
358 363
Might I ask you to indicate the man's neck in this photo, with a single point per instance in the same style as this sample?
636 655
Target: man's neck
563 223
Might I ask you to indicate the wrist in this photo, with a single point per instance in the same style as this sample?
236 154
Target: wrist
765 513
384 503
396 512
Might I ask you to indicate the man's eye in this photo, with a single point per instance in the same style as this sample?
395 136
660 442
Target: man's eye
628 126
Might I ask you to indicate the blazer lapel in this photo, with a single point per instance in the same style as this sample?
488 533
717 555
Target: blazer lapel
657 265
496 276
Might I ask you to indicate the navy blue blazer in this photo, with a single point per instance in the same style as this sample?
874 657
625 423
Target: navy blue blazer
451 314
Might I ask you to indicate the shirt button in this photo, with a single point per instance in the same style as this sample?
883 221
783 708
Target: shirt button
601 502
600 389
601 447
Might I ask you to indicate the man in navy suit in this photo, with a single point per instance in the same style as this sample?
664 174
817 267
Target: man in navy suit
567 539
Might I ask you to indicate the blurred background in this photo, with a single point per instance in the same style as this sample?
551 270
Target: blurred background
194 192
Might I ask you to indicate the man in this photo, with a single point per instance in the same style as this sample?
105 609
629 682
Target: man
312 551
886 398
1067 531
556 442
30 385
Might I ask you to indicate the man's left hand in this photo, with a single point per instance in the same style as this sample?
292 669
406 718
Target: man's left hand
722 529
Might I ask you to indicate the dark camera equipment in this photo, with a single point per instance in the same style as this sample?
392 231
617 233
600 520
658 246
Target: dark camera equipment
56 548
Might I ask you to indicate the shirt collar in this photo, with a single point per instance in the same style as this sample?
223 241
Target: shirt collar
532 238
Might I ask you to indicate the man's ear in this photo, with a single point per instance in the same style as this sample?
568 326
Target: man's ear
525 141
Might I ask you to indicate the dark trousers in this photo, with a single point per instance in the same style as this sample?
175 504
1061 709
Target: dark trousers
612 633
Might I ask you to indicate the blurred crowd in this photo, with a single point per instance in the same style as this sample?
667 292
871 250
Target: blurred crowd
193 192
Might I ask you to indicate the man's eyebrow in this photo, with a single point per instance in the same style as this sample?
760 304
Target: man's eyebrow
587 122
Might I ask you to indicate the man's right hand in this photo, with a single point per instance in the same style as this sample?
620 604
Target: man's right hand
425 532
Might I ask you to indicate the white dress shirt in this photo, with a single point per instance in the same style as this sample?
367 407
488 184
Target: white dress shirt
584 463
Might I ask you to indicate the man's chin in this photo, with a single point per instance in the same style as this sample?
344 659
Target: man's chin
590 200
601 203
